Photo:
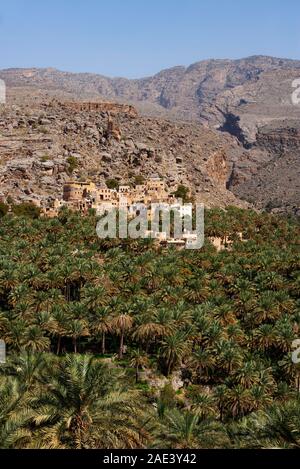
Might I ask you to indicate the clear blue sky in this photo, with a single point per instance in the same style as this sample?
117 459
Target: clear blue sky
137 38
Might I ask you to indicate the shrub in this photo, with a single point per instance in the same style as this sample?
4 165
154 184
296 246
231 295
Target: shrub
44 158
112 184
182 192
73 163
3 209
139 179
26 210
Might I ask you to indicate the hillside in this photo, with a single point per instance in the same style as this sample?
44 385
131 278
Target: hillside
43 145
250 99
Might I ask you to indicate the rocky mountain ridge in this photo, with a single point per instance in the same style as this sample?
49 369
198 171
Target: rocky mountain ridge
248 99
43 146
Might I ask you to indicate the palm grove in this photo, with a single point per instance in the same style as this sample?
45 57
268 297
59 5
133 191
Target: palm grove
87 321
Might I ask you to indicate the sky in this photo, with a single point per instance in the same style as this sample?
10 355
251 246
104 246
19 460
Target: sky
136 38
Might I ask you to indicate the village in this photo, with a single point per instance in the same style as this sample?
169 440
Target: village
152 195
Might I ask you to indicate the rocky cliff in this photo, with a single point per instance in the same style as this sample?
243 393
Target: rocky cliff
45 144
248 99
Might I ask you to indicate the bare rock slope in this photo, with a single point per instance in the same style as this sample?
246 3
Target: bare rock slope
43 145
250 99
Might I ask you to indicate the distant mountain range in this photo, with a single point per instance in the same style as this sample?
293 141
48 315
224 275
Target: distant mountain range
203 91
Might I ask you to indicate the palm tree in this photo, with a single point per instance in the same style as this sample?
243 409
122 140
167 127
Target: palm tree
35 340
83 406
173 349
229 356
153 326
100 324
14 416
94 297
183 429
264 337
267 308
284 334
221 396
291 370
77 328
239 401
202 363
59 325
121 324
204 405
279 425
26 368
224 313
138 360
14 333
247 375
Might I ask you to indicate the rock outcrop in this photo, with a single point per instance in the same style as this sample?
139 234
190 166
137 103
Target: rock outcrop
249 99
111 108
42 145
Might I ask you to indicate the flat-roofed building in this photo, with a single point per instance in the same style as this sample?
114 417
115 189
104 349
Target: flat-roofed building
103 193
77 190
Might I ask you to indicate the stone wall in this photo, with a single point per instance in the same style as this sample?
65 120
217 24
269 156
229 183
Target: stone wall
112 108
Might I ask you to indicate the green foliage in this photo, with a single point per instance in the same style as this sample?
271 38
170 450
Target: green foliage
26 210
139 179
166 399
95 327
182 192
72 163
3 209
44 158
112 184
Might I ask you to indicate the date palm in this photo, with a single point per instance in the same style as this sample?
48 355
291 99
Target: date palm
204 405
239 401
77 328
202 363
229 356
83 406
153 326
14 416
220 394
26 368
59 325
138 360
264 337
284 334
173 348
94 297
225 314
14 333
267 308
186 430
100 324
35 340
121 324
278 426
247 375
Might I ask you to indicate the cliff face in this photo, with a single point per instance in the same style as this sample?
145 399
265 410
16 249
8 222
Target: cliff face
274 182
218 167
280 140
249 99
43 145
111 108
252 89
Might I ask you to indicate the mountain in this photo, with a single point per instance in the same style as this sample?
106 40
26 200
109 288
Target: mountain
250 99
42 145
205 91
